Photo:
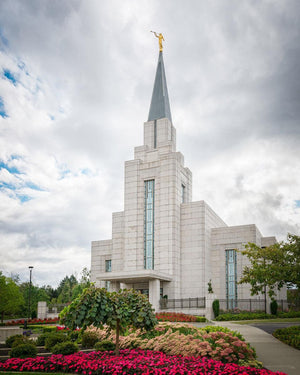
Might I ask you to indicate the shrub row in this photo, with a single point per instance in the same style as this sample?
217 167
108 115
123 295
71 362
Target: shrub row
249 316
289 335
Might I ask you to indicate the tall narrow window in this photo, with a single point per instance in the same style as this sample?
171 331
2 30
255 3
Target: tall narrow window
182 193
155 134
231 278
108 265
149 226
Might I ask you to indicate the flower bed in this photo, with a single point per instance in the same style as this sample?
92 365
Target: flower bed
32 321
186 340
175 317
129 362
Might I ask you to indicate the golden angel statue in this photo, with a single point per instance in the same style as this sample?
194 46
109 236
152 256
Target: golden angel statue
160 40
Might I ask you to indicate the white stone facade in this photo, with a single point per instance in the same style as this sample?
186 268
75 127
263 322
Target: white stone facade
190 239
163 243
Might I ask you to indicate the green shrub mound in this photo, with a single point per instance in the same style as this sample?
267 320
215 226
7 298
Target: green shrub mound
105 345
274 307
22 340
41 339
53 339
23 351
89 339
216 307
289 335
65 348
10 340
74 336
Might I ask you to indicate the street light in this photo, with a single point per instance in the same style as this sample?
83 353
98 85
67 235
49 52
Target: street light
29 302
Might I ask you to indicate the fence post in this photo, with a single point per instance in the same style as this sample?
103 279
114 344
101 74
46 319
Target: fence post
250 305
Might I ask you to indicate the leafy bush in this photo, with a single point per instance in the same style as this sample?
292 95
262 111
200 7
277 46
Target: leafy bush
10 340
290 314
273 307
53 339
74 335
65 348
216 307
41 339
21 340
23 351
104 346
289 335
89 339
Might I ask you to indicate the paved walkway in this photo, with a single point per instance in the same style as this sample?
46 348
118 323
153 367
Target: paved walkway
275 355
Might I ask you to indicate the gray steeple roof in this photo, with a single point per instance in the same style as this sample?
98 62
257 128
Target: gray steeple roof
160 106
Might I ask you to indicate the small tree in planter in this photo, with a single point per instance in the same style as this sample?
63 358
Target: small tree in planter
118 310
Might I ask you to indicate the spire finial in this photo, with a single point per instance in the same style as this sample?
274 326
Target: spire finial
160 40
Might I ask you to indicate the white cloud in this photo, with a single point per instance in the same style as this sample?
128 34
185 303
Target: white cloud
85 72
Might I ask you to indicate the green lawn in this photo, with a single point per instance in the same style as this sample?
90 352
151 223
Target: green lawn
267 321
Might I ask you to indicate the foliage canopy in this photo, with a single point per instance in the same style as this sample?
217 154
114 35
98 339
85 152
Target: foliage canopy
118 310
273 266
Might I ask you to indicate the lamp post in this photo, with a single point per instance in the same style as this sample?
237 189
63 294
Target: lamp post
29 301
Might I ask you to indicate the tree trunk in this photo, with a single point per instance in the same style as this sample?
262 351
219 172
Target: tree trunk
117 351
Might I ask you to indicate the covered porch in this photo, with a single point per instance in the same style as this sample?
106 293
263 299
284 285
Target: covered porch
144 280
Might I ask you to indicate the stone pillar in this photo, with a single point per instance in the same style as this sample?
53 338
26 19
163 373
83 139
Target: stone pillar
154 293
115 286
209 299
42 310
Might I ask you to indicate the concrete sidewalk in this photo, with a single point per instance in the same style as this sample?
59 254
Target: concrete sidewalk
274 355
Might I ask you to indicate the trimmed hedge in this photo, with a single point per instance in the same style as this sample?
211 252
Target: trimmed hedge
10 340
53 339
289 335
24 351
65 348
104 345
250 316
89 339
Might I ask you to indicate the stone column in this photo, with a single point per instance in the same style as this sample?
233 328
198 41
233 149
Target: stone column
42 310
209 299
114 286
154 293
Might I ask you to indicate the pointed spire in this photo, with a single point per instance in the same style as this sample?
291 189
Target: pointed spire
160 106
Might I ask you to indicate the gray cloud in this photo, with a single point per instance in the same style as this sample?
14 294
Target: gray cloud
86 71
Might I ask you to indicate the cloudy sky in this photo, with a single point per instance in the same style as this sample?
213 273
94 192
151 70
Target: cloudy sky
76 81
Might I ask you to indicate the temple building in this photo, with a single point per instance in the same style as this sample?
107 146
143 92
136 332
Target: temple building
163 243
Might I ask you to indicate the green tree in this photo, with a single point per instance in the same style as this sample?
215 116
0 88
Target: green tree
36 294
273 266
97 307
84 283
11 298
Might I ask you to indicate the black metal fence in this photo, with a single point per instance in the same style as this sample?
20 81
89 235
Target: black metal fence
182 303
251 305
57 308
236 305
